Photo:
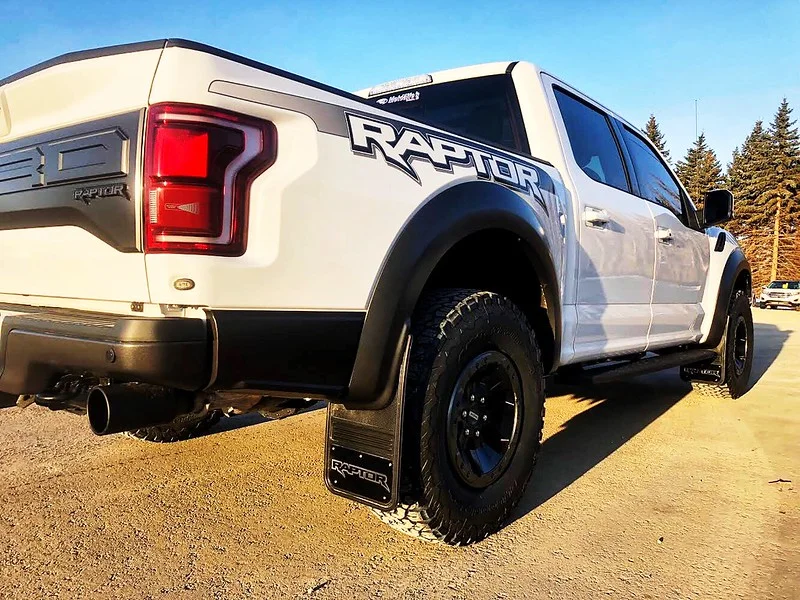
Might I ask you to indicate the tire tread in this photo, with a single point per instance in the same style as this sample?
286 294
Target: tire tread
439 314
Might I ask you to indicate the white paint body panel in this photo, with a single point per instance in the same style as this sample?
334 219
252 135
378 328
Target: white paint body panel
611 267
716 266
322 219
680 278
55 263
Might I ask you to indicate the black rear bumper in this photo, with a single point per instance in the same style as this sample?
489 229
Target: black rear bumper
38 345
279 352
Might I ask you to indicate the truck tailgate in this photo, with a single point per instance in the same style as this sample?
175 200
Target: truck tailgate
70 206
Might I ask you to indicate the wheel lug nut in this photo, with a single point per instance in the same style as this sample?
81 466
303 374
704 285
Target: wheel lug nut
466 432
472 398
464 414
483 400
477 433
485 418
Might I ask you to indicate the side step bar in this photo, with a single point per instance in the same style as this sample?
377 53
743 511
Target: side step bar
645 365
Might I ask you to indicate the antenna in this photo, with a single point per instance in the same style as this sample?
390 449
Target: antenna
695 118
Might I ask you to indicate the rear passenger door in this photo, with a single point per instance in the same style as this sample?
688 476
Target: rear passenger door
682 251
615 229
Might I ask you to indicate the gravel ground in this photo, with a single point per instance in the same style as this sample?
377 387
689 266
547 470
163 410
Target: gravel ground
643 490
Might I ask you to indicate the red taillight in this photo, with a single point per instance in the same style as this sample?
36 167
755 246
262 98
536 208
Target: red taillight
199 165
180 152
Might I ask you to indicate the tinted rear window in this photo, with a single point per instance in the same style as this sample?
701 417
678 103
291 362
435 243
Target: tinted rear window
484 108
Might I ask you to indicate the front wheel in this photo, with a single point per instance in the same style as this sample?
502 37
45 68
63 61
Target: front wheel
738 352
475 410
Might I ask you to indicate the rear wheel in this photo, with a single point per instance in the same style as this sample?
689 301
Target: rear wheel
182 428
475 409
739 352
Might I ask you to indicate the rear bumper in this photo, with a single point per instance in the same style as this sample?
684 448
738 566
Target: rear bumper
279 352
779 302
39 345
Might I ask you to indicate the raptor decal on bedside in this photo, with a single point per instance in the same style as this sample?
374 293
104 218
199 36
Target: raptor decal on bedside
401 145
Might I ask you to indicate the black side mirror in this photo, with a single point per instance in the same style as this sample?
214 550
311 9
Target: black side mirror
717 208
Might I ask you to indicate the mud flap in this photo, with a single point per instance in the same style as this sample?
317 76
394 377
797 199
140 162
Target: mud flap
362 449
711 370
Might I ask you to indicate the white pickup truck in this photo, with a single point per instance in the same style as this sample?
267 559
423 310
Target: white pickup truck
186 233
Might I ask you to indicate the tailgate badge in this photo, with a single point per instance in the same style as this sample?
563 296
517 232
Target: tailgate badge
87 194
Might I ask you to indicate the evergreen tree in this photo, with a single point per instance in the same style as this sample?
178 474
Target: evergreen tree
700 170
736 172
653 131
784 164
749 179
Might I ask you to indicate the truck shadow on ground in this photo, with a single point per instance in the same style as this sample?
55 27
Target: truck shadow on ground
616 414
769 341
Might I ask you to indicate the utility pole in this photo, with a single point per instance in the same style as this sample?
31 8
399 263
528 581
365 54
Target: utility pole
695 118
773 275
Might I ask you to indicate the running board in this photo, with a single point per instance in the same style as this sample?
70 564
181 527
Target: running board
645 365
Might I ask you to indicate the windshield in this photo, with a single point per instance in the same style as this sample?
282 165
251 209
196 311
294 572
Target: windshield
784 285
482 108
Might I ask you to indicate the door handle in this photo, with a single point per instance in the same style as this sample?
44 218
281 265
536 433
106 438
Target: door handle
664 235
595 217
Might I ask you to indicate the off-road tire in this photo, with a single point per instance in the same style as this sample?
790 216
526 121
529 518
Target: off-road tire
182 428
450 328
736 383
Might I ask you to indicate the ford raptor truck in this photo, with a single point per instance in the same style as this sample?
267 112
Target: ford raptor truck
186 233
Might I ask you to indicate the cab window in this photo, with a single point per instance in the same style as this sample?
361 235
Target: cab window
593 144
655 181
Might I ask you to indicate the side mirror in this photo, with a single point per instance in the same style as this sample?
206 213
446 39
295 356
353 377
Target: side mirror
717 208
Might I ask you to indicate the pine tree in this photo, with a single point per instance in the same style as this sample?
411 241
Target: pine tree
700 170
653 131
781 198
764 175
749 179
784 165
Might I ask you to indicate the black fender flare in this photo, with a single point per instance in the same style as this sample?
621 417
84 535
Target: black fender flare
444 220
735 265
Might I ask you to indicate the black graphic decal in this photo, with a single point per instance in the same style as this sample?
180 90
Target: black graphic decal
401 145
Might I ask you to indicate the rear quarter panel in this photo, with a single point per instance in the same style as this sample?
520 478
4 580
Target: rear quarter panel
322 218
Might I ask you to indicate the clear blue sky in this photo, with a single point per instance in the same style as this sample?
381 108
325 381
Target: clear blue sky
737 58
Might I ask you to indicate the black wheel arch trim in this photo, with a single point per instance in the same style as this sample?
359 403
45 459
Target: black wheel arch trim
734 267
441 223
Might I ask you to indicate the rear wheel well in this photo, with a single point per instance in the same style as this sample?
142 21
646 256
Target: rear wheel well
498 261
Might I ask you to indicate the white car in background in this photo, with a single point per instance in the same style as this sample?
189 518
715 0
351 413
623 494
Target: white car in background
780 293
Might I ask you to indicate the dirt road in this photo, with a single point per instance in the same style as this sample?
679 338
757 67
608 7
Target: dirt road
643 490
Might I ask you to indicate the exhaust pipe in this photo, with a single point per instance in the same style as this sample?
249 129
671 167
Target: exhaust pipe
129 406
